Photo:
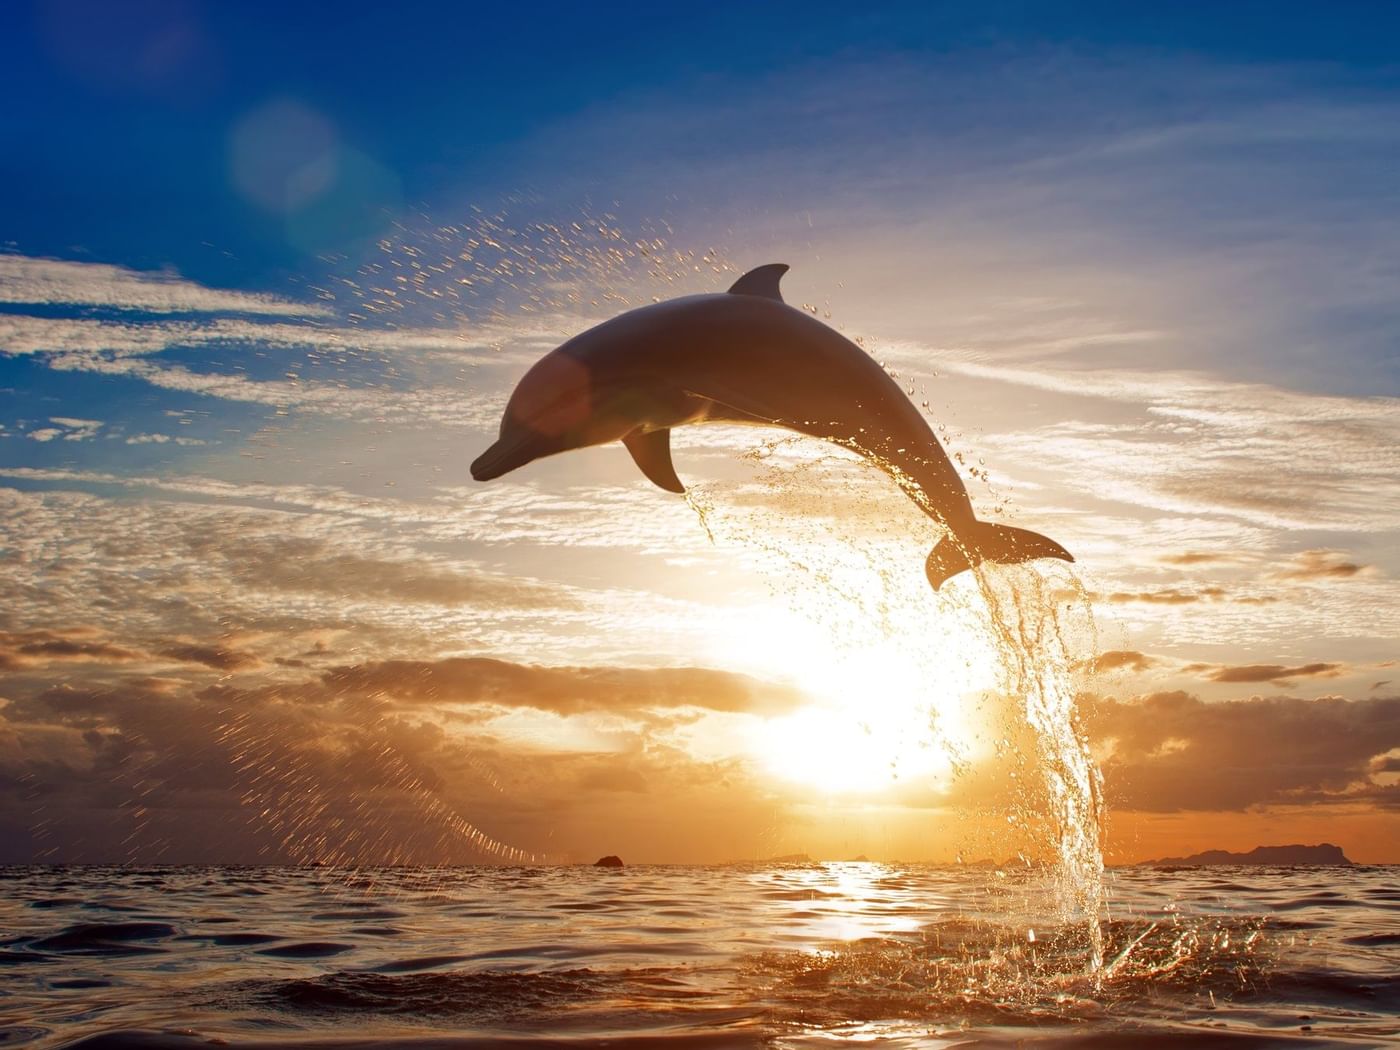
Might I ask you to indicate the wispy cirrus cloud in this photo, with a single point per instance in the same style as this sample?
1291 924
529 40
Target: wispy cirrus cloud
59 282
139 350
23 334
1278 458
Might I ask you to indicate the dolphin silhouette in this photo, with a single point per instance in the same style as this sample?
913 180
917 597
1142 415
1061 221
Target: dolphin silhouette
743 357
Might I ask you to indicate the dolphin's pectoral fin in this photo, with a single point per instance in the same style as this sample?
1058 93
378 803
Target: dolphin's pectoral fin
651 449
761 281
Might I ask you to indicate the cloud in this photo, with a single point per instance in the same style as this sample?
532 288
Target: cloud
351 368
1164 597
1184 451
33 648
613 775
161 569
1196 558
1120 659
217 657
52 282
282 780
1275 673
313 565
337 369
562 690
330 768
1176 596
164 439
1173 751
67 428
1321 564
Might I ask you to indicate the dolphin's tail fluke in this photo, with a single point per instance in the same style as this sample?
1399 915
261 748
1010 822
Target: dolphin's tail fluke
987 542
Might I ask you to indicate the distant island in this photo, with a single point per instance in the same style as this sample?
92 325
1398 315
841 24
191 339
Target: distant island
791 858
1281 856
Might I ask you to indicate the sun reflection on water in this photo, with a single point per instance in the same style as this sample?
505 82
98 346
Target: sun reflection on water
843 902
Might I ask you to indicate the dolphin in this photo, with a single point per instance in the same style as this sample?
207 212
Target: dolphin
744 356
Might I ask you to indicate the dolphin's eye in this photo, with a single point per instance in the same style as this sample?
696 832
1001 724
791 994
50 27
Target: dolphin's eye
554 397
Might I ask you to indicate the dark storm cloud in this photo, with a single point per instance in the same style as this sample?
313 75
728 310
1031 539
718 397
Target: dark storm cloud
563 690
1173 751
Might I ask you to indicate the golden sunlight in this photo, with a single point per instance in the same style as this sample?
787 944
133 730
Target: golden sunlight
888 703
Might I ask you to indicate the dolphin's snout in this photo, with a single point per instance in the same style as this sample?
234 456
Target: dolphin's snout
505 455
482 468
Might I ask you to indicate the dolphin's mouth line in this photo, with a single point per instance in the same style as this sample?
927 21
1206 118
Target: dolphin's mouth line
507 454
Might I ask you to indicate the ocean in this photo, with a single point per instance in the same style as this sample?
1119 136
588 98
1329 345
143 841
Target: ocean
779 955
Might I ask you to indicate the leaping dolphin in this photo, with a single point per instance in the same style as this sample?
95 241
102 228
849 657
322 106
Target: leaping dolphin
743 357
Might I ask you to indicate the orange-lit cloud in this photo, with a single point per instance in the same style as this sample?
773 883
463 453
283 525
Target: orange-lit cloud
1174 751
564 690
1269 672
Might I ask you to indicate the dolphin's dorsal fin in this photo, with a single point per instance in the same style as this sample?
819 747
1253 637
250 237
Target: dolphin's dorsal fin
761 281
651 449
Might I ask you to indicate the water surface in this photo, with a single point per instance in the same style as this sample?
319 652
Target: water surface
783 956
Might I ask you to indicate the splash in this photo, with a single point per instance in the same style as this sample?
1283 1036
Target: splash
432 299
1000 649
984 972
1032 622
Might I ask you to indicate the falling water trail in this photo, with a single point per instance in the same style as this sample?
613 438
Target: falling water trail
1035 642
1036 621
1037 646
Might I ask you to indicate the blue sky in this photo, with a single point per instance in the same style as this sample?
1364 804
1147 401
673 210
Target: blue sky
120 144
270 272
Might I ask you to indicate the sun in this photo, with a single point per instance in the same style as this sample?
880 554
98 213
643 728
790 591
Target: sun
888 707
840 753
889 668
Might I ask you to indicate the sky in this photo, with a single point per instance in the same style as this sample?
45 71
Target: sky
268 274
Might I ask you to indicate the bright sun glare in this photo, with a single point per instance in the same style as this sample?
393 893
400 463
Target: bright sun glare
889 671
886 707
